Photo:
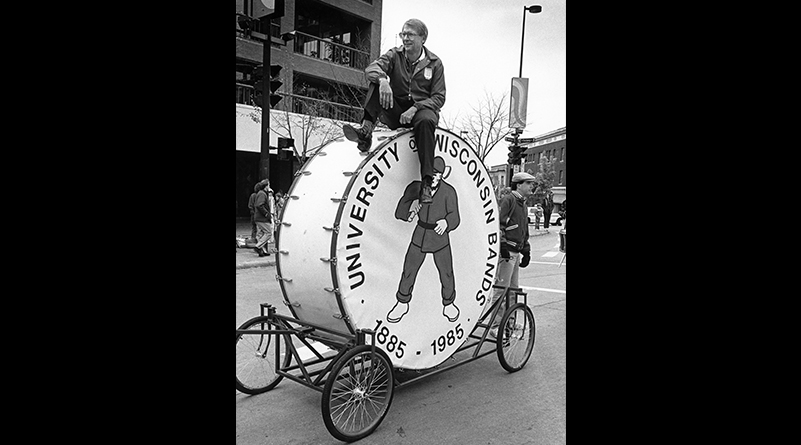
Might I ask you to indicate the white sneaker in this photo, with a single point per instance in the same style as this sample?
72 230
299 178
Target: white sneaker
451 312
397 312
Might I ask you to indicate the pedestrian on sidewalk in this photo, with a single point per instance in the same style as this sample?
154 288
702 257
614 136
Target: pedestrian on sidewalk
537 216
263 217
252 208
547 208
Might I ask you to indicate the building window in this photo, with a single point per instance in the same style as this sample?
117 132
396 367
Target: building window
561 154
560 176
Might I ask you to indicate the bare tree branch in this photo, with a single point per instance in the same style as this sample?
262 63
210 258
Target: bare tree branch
485 125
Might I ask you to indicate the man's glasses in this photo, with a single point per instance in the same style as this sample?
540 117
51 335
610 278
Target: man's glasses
403 35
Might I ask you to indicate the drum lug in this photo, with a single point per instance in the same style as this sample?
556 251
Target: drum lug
302 172
352 173
286 224
344 198
331 260
285 252
280 278
294 196
335 229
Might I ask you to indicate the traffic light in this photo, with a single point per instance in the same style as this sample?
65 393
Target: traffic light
515 154
258 85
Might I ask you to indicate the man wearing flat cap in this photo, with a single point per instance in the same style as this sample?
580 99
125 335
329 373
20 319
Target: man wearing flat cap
515 249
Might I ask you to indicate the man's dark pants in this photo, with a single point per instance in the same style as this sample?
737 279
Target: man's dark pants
424 124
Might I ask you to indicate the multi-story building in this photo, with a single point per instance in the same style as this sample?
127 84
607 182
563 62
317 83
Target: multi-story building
322 47
554 145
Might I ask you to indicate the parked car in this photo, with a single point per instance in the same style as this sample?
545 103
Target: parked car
554 221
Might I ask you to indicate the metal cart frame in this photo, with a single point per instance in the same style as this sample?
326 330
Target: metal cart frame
358 382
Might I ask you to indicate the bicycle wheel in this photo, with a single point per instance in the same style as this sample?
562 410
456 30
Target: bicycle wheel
517 337
255 358
357 393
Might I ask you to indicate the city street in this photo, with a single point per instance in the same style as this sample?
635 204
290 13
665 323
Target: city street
478 403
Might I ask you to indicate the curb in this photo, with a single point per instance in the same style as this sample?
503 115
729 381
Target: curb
252 264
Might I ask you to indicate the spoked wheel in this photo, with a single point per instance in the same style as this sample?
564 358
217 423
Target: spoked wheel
357 393
516 340
255 358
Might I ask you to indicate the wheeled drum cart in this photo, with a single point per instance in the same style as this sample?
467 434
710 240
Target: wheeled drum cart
357 378
382 289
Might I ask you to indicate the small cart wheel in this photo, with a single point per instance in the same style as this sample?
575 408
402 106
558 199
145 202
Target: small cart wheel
516 337
357 393
255 358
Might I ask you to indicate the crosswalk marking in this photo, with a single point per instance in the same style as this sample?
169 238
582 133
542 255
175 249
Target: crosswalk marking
552 254
542 289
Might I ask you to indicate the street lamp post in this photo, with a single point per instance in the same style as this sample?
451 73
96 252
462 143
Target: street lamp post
534 9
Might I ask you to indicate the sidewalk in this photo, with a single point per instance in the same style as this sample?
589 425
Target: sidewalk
246 257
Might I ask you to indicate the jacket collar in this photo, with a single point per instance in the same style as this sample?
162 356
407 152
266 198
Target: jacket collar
429 54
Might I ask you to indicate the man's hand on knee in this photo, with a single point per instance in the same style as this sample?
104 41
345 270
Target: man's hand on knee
407 115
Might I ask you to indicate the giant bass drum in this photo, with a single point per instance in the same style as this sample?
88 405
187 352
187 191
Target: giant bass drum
353 240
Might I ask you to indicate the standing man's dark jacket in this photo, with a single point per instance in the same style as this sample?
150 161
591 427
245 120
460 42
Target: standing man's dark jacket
514 222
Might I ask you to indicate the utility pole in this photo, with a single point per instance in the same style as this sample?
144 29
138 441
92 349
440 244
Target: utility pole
265 87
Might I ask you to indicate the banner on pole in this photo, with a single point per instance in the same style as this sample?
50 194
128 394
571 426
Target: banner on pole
518 102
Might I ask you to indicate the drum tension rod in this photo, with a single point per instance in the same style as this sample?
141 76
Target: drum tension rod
344 198
335 229
331 260
296 304
352 173
280 278
332 289
341 317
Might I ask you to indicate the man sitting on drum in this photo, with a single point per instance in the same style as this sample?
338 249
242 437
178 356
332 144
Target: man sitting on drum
410 93
434 222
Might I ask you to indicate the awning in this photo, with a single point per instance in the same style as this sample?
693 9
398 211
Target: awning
248 131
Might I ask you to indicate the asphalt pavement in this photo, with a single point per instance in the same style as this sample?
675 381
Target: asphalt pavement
246 257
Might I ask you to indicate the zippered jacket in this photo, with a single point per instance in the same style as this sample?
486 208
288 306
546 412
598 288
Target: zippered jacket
514 222
425 83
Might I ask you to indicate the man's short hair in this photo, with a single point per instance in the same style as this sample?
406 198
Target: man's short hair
419 27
